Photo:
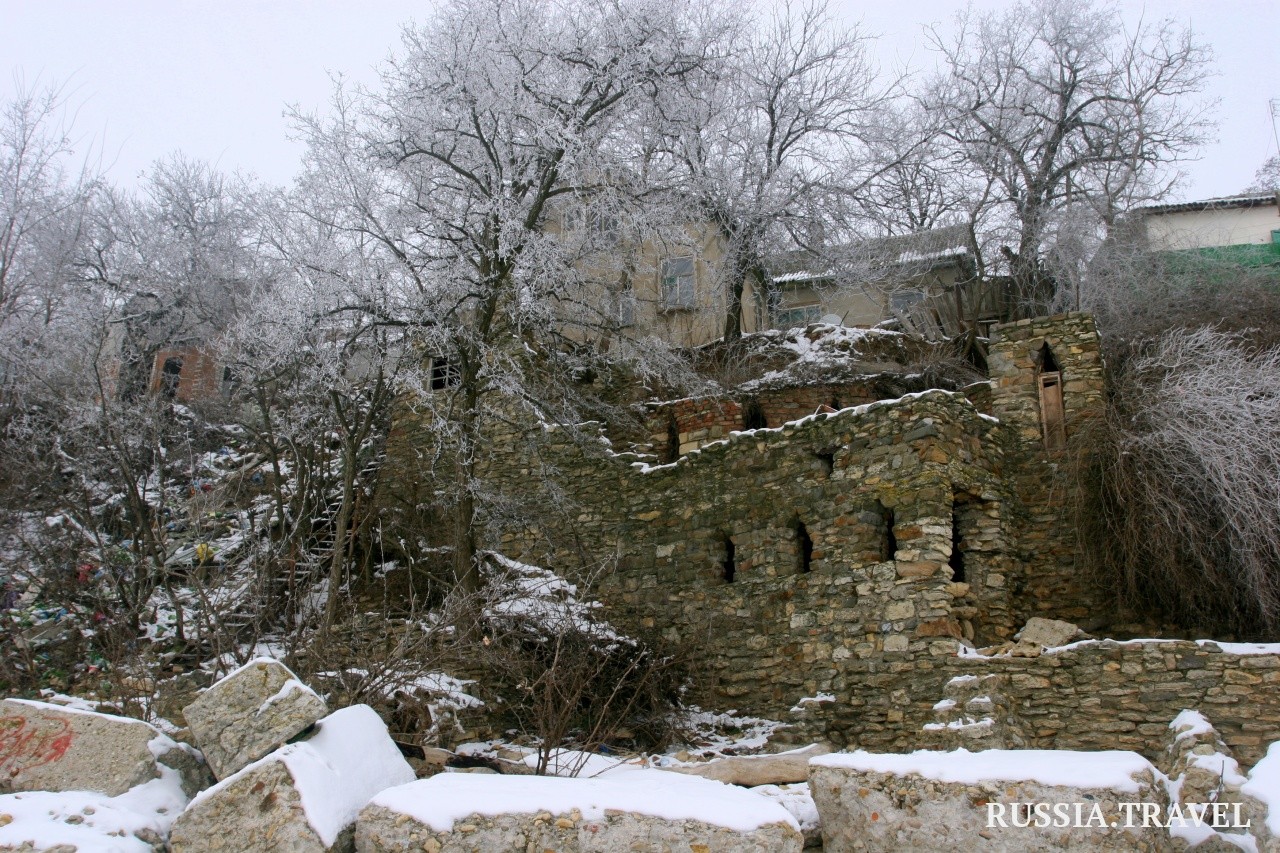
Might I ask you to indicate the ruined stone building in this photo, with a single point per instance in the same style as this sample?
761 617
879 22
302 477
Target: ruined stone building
834 561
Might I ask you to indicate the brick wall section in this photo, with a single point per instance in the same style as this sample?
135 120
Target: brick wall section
201 376
1053 584
701 420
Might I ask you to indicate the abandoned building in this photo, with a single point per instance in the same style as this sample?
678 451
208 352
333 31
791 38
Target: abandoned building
835 561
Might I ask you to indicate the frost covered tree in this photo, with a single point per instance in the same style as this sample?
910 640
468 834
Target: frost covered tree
493 119
176 257
1267 177
763 144
1068 116
45 192
316 371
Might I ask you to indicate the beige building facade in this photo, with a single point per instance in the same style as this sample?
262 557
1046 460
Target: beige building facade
1244 220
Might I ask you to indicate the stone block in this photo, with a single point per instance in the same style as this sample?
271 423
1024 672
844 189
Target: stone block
634 810
250 712
752 770
964 800
302 798
1049 632
53 748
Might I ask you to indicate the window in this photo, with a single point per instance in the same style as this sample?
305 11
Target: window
798 315
626 309
888 539
444 373
231 381
728 559
624 303
677 283
753 416
602 226
804 549
901 300
1052 412
171 377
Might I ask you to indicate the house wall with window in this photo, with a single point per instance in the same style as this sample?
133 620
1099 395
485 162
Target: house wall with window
803 299
669 286
1240 221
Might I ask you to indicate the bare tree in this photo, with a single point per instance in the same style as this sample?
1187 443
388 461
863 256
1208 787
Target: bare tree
492 114
771 133
1180 494
1064 112
45 191
1267 177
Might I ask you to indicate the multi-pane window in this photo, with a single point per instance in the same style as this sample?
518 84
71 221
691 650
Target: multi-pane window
677 283
602 226
799 315
444 373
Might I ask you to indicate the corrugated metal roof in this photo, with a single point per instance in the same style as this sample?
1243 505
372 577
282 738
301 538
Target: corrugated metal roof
1225 203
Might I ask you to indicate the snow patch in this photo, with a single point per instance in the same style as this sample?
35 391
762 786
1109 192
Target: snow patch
1264 785
1110 769
98 823
446 798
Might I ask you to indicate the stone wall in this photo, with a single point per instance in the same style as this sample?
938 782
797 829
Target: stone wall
681 426
1110 695
812 558
845 554
1054 583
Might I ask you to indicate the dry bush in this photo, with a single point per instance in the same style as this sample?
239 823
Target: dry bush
1179 482
568 678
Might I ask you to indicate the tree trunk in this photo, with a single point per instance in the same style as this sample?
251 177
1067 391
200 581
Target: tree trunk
737 266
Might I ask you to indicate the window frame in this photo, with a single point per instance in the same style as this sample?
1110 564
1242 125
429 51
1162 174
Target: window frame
679 287
443 374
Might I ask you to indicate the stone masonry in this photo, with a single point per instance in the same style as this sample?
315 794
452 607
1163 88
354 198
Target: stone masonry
854 553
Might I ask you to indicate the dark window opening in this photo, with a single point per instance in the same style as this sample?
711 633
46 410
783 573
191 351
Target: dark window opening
729 565
828 460
835 402
673 440
804 548
231 380
171 377
888 542
956 561
444 374
753 416
1048 364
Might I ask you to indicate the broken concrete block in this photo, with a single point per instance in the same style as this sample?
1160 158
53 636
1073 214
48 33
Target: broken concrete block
250 712
303 797
54 748
633 810
997 800
1048 632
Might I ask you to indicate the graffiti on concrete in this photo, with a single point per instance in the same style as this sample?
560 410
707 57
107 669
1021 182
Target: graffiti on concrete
25 745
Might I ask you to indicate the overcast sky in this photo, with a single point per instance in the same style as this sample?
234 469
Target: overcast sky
212 79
